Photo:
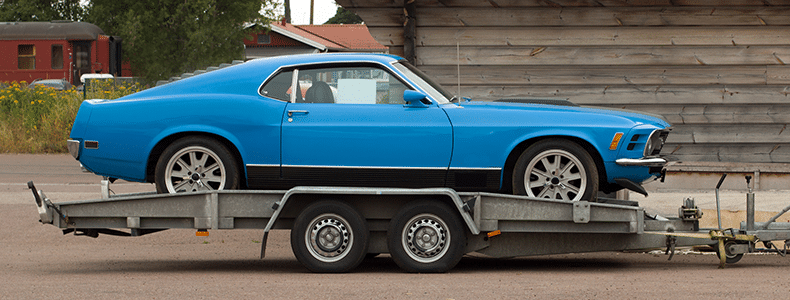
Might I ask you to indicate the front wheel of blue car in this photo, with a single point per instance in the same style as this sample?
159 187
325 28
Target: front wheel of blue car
556 169
194 164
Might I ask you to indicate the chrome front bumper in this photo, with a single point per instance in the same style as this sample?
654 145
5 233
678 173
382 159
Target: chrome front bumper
642 162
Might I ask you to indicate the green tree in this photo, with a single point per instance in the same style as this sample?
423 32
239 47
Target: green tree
344 16
162 38
41 10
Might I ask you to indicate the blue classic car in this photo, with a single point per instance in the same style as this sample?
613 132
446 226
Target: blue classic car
364 120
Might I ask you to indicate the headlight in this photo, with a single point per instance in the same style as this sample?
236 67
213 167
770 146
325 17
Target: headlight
655 142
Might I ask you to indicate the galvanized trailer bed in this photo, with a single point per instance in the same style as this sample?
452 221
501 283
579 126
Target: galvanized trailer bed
424 226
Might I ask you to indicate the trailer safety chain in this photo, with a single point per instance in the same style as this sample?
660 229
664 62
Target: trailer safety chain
62 216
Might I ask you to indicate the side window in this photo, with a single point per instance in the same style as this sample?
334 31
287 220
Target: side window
279 87
350 85
57 57
26 60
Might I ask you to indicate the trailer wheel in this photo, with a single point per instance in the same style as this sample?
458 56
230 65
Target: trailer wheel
329 236
731 258
426 237
195 163
556 169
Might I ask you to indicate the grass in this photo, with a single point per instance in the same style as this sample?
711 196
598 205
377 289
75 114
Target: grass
39 119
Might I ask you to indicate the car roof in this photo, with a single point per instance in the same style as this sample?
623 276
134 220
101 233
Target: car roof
48 81
326 58
246 76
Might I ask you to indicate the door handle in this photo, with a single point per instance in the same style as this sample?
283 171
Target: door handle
291 113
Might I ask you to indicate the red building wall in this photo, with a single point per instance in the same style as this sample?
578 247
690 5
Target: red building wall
10 60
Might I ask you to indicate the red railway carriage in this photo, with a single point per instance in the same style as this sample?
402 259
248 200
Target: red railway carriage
56 50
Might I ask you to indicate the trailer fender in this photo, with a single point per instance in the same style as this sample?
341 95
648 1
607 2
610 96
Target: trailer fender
450 193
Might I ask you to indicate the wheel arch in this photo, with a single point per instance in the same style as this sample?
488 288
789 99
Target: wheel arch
159 147
510 162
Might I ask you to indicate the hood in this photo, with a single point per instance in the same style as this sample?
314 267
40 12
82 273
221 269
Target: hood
635 116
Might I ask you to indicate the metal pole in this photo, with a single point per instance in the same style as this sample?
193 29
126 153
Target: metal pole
409 31
718 206
749 206
312 8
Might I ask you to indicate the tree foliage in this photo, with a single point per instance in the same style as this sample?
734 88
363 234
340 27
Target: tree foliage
344 16
41 10
162 38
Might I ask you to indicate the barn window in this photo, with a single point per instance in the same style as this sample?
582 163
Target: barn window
26 57
57 56
264 39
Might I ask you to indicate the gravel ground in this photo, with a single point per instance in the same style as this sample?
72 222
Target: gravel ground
38 262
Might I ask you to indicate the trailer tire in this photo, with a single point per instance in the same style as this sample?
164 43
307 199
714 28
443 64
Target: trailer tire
329 236
730 258
213 168
426 237
538 173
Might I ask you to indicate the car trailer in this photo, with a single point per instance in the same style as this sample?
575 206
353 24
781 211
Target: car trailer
425 230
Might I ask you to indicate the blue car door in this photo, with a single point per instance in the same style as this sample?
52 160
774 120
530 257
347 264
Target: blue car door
349 127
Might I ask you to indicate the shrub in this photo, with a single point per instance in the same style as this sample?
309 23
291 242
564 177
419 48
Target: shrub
39 119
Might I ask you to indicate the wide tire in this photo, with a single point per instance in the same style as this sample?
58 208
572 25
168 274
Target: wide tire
426 237
195 163
556 169
329 236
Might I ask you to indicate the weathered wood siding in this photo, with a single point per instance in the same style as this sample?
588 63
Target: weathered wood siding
715 69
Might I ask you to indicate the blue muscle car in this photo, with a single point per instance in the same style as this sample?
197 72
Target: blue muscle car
359 120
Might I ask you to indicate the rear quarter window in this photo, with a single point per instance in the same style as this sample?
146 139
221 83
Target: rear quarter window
278 87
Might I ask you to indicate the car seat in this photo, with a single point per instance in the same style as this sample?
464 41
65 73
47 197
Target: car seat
320 92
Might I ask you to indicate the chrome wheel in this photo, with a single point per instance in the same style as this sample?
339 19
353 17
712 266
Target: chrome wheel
329 238
195 168
556 174
425 238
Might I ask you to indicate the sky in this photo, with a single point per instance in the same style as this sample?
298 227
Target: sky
300 11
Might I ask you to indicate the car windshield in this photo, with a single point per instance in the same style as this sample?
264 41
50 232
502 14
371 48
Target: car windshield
433 88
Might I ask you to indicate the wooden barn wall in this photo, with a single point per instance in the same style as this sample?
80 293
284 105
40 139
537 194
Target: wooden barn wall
715 69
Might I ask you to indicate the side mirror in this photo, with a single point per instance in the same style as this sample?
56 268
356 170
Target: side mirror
415 99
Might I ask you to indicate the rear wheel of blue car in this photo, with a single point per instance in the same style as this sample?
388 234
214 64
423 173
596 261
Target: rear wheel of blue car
556 169
194 164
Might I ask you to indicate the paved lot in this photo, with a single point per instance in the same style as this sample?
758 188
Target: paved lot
37 261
